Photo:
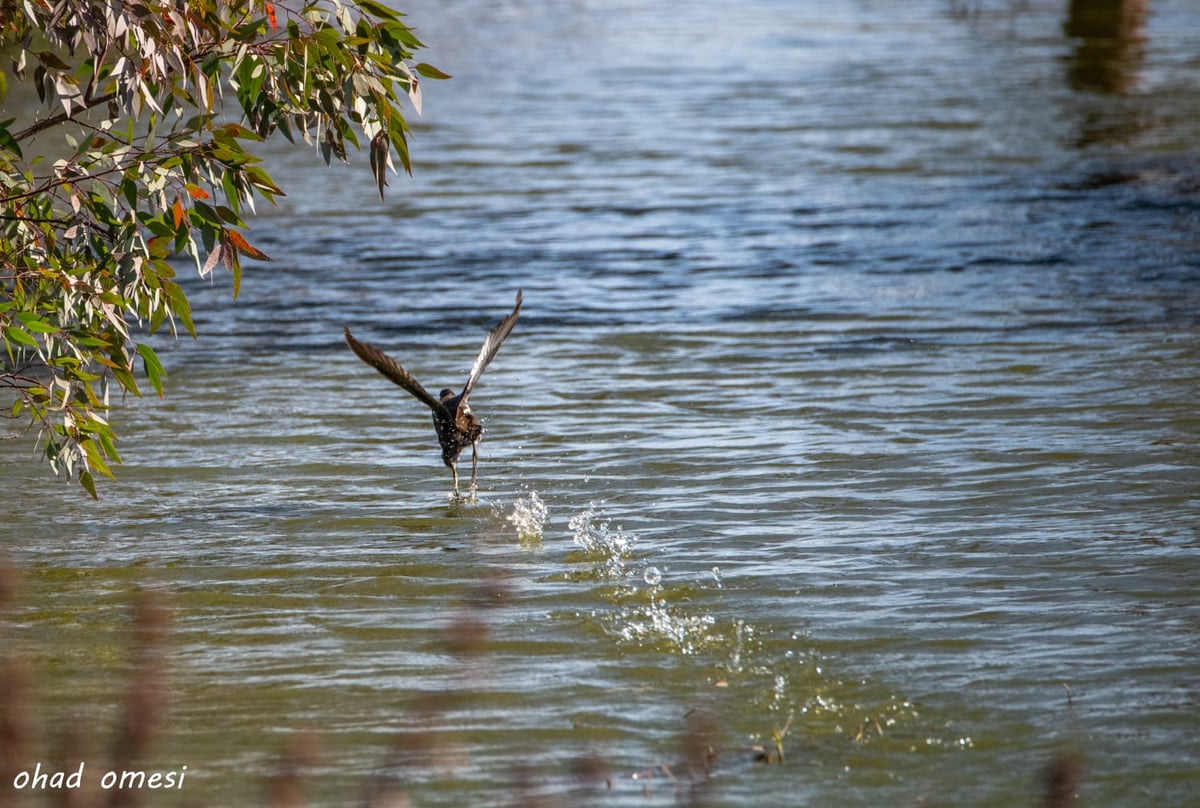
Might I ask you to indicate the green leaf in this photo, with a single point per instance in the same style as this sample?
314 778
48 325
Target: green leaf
229 187
88 482
179 305
34 323
379 153
401 144
154 369
400 34
52 61
233 130
95 458
19 336
159 247
39 82
228 216
262 180
106 437
378 10
126 380
235 268
129 189
161 230
7 141
430 72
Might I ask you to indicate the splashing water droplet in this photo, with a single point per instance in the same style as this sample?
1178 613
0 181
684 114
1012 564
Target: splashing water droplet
716 574
735 656
529 516
780 690
594 534
652 576
658 622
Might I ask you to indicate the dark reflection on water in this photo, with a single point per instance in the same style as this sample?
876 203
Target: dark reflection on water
857 377
1110 43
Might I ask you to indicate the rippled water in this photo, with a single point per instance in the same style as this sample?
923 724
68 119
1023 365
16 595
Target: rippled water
853 406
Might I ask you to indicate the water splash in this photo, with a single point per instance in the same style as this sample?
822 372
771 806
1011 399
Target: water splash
529 516
735 655
659 623
595 535
645 617
780 692
776 679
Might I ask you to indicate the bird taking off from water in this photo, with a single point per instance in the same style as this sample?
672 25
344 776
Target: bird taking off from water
457 426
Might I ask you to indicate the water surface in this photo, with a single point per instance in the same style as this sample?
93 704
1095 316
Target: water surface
856 378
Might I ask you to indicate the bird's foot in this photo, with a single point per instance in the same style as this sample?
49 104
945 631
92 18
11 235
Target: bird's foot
462 496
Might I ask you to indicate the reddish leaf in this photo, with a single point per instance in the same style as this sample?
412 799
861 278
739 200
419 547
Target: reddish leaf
241 245
177 212
196 191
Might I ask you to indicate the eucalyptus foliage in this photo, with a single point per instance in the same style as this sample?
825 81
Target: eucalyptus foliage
141 151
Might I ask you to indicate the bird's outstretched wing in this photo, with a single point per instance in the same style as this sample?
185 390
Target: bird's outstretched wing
491 344
390 368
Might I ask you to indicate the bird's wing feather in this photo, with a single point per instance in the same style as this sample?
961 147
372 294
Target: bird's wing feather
491 344
391 369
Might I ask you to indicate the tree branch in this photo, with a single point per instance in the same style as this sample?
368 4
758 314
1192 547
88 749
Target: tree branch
62 117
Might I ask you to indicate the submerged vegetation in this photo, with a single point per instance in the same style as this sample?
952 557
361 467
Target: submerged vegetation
141 149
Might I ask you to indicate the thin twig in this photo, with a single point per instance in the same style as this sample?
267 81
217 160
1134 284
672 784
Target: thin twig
61 117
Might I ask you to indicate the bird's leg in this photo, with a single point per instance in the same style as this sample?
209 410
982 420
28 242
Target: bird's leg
454 471
474 462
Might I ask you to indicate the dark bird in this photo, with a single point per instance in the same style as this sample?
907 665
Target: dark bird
457 426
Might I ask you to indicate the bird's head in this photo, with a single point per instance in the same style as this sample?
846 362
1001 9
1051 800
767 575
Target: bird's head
446 393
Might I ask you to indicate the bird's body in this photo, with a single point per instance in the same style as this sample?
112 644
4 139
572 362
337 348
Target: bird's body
456 425
457 428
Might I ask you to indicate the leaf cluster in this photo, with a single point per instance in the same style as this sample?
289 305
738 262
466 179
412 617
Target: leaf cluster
150 110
